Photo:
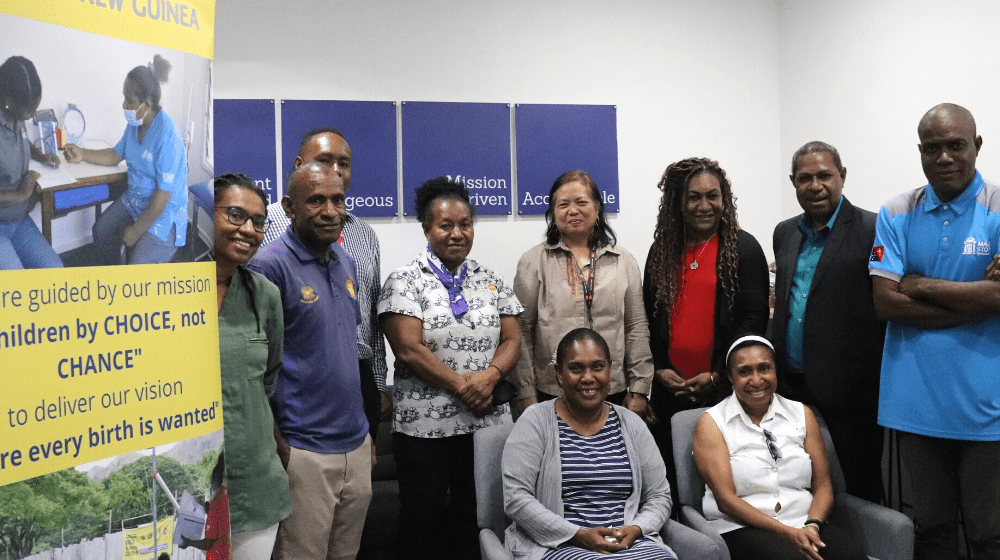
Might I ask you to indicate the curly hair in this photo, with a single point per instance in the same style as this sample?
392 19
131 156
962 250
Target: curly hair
666 258
439 188
602 235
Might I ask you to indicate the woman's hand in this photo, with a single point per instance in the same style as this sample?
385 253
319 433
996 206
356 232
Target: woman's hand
74 154
593 539
52 160
477 391
806 540
699 386
627 534
670 379
636 402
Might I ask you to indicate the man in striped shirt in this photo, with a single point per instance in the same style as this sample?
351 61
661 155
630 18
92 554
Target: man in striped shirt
327 145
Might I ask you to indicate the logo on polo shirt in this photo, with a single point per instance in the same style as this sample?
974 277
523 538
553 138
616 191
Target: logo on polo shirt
350 288
877 253
309 295
973 247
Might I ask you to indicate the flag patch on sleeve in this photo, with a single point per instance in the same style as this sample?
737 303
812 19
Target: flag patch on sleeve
877 252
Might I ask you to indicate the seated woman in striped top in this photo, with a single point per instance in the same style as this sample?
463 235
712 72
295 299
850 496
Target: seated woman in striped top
581 477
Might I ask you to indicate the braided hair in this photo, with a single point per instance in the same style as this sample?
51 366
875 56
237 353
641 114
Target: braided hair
666 258
222 184
439 188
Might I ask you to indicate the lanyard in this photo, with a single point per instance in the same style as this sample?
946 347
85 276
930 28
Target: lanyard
588 284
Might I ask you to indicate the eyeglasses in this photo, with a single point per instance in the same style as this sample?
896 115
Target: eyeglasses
771 447
238 216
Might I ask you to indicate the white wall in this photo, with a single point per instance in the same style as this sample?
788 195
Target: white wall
860 74
689 78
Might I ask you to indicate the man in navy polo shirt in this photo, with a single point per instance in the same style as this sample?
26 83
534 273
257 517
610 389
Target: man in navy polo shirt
934 270
318 408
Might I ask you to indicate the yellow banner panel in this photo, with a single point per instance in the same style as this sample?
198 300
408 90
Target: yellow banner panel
102 361
137 544
183 25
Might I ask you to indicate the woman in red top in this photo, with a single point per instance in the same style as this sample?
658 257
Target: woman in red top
706 282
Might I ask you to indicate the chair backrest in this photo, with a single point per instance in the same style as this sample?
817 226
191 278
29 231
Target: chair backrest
488 448
204 195
690 485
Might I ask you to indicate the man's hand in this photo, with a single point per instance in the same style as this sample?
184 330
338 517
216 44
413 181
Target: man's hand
386 407
284 450
73 153
993 270
131 235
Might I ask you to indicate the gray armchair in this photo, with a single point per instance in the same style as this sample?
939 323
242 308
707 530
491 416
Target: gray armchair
885 534
488 444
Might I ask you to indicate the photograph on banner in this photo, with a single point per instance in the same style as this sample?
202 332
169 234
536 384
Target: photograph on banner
467 142
554 139
369 128
106 366
120 132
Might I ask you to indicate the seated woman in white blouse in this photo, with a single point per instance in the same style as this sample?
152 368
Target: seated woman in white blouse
762 457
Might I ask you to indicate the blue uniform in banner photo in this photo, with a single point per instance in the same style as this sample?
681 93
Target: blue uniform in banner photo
945 382
158 162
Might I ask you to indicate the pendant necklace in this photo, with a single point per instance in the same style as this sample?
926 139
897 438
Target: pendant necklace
694 264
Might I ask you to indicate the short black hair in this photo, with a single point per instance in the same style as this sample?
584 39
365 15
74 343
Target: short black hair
224 182
219 472
747 344
19 82
815 147
319 130
435 189
577 335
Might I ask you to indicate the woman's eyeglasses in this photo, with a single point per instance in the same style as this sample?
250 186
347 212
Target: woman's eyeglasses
771 447
238 216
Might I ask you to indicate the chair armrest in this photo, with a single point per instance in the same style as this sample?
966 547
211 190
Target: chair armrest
695 520
491 547
885 533
688 543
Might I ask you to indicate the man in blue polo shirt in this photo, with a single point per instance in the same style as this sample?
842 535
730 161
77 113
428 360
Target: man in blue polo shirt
934 269
318 405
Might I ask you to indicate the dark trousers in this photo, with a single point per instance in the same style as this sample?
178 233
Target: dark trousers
857 437
750 543
437 498
372 401
665 405
948 475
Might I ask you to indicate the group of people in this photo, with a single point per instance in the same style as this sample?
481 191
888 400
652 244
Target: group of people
146 224
595 358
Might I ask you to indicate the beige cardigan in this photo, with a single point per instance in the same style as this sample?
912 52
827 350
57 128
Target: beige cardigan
551 310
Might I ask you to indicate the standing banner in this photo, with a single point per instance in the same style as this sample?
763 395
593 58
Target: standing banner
553 139
103 362
138 543
469 142
246 141
369 128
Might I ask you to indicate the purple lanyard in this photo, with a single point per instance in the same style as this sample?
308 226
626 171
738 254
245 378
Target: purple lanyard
451 283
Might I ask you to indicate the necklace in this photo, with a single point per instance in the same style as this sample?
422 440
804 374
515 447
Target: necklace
694 264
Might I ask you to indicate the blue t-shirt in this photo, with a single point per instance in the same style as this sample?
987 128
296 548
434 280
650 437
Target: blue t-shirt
318 399
940 382
158 162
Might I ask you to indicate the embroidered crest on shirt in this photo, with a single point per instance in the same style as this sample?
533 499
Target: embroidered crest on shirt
350 288
309 295
167 177
973 247
147 156
877 252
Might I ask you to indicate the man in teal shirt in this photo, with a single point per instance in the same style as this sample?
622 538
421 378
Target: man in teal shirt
827 337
